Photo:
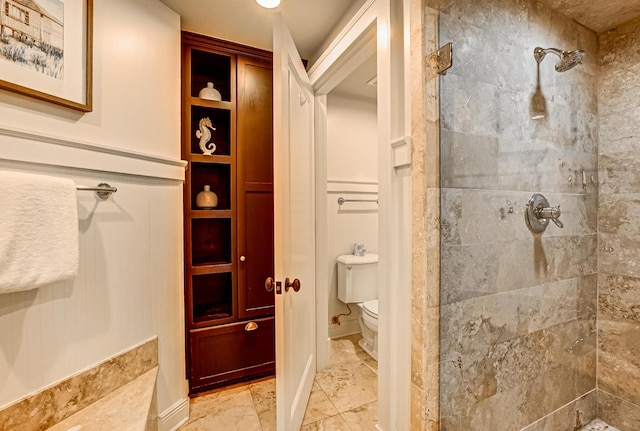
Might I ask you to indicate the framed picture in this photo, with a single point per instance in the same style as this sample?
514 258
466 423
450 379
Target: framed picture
46 50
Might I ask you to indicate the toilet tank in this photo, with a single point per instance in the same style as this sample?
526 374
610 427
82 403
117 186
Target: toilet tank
357 278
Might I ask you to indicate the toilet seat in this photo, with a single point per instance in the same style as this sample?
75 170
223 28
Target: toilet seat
369 326
371 308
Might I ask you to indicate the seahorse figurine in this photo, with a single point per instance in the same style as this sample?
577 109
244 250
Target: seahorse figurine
204 134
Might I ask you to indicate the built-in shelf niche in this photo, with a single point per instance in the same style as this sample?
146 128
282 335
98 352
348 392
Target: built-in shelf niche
210 67
212 296
218 177
220 134
211 241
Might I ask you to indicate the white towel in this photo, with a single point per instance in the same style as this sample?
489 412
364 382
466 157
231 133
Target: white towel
38 231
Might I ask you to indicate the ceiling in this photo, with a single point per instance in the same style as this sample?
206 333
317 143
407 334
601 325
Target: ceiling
357 83
310 21
597 15
313 23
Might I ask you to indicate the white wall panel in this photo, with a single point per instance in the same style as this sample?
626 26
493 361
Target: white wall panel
352 139
130 281
352 173
347 224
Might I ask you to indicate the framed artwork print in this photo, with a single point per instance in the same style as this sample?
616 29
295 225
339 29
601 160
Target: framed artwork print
46 50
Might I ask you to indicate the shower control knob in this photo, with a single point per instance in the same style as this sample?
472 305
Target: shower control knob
539 213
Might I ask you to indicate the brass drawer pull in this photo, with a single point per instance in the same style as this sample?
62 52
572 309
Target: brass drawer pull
251 326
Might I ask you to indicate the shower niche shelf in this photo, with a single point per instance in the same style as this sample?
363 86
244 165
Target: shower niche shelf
229 246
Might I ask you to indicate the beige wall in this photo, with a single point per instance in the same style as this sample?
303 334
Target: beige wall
129 286
619 226
352 173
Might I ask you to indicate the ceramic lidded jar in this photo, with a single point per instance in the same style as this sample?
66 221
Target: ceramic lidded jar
209 93
206 199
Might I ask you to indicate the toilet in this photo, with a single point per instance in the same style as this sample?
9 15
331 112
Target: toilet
358 283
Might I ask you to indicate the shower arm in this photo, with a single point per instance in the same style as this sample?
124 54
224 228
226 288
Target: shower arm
539 53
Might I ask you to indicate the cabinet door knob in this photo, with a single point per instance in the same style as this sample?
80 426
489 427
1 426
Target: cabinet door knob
242 258
251 326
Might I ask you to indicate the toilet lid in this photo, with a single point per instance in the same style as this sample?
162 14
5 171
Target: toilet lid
371 307
350 259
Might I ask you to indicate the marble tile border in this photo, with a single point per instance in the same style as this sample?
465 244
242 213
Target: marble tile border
61 400
130 407
425 183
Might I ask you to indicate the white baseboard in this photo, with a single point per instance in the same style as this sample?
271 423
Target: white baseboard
175 416
348 327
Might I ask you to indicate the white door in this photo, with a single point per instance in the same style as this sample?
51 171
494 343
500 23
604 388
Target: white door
294 230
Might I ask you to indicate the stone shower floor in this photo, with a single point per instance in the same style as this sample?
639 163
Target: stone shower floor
598 425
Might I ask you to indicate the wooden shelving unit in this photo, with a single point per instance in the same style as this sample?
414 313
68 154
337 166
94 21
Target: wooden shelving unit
228 249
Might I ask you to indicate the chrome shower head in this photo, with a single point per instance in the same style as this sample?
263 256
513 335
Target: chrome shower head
568 59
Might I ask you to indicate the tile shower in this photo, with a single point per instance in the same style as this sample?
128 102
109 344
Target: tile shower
537 332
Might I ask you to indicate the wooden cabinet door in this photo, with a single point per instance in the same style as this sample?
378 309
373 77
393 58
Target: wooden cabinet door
226 353
254 185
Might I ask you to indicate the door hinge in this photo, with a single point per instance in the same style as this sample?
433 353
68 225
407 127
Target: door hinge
445 58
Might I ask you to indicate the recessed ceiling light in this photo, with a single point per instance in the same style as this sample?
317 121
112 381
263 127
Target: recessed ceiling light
269 4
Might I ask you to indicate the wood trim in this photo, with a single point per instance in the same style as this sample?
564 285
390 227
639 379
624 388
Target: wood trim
207 42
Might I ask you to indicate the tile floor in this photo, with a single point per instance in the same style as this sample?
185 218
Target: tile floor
344 398
598 425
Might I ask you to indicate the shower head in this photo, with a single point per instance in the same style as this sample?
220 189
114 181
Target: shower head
568 59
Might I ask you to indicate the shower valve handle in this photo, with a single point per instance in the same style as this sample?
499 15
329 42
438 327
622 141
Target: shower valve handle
551 213
539 212
556 218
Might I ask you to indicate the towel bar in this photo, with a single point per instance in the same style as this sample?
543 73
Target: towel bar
342 200
103 190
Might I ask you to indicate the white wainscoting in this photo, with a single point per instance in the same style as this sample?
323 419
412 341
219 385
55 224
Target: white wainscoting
129 288
348 224
130 282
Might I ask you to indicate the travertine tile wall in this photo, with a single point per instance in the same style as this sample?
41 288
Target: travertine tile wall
425 204
619 226
517 311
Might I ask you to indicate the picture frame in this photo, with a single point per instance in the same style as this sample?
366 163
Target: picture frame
46 50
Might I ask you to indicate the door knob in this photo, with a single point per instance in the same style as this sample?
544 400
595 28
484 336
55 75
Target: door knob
242 258
289 284
270 283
